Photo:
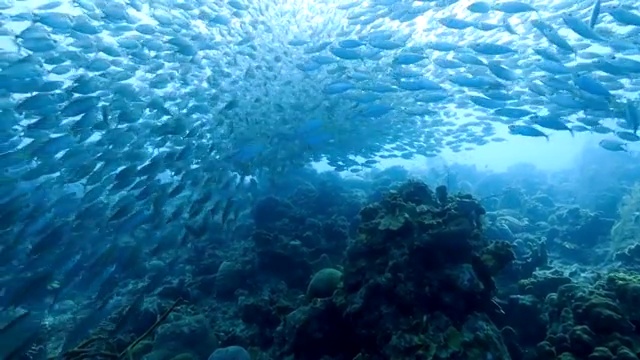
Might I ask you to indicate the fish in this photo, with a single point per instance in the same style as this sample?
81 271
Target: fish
632 116
479 7
551 122
613 145
581 28
625 16
513 7
526 130
137 135
595 13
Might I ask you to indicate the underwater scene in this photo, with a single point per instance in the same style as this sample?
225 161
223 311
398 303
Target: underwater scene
319 180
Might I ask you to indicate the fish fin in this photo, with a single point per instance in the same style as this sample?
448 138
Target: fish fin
507 26
16 42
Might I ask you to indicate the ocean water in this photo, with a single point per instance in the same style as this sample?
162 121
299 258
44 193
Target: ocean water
319 180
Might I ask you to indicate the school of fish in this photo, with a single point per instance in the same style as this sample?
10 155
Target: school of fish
166 114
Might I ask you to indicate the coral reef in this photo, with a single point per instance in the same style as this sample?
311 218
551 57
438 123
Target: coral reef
417 283
390 269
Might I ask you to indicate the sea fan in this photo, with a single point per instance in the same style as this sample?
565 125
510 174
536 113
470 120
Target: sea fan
625 231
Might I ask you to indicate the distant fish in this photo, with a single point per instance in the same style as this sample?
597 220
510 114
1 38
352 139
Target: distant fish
479 7
627 136
632 116
613 145
104 111
526 130
513 7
